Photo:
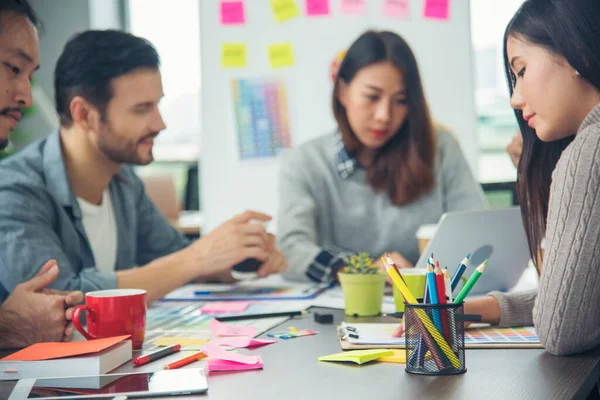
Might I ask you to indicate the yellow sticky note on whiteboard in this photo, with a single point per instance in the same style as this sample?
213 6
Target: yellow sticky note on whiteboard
233 55
281 55
284 9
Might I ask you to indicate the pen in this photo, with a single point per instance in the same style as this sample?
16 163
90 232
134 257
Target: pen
182 362
256 316
145 359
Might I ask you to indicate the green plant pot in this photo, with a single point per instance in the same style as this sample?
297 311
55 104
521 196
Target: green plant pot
363 294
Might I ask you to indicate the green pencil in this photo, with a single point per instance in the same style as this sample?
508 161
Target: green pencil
471 282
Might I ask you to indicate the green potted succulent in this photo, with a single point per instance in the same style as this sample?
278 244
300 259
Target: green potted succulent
362 284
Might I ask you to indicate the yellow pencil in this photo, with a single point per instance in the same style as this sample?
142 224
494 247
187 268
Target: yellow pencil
410 298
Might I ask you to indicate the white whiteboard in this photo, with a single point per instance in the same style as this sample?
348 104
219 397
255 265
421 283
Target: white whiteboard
230 185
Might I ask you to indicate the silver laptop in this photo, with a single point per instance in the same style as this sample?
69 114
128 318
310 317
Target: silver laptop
497 235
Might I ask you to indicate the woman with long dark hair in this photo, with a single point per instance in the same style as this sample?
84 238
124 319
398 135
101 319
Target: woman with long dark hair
383 173
552 60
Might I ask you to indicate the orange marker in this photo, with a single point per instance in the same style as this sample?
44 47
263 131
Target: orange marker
182 362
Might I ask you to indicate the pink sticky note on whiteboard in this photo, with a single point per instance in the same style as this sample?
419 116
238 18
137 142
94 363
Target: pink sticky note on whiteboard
353 6
317 7
395 8
219 328
232 12
224 307
242 342
214 364
215 351
437 9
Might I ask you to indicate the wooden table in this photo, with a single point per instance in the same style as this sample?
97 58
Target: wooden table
292 371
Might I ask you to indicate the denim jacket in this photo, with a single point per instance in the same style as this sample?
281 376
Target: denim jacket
40 219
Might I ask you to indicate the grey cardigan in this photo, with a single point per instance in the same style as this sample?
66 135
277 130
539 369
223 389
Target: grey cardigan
566 311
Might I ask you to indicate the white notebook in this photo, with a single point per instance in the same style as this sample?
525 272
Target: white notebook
89 364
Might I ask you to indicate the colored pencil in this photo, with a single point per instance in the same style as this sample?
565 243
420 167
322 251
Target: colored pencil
471 282
441 287
182 362
426 298
433 294
460 270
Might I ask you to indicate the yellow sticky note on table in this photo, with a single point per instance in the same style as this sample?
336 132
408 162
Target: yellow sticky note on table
358 356
281 55
399 356
184 342
284 9
233 55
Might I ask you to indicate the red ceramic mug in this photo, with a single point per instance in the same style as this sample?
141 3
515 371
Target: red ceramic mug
113 313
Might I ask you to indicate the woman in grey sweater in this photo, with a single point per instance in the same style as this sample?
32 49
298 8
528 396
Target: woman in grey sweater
369 186
552 60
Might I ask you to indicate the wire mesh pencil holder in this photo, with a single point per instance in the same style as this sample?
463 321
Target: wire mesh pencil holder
435 339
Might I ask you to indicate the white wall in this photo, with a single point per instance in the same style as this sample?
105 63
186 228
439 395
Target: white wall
61 19
443 50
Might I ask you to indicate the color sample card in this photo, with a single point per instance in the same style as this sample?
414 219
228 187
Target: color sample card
315 8
284 9
353 6
501 335
184 320
437 9
395 8
233 55
232 13
183 341
224 307
281 55
261 109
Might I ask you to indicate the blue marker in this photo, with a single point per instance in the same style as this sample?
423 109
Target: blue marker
459 272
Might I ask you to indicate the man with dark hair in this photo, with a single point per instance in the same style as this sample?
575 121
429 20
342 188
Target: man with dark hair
32 313
73 197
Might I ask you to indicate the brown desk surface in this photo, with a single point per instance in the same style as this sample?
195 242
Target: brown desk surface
292 372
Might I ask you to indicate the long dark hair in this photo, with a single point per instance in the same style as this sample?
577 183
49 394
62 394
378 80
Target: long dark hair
403 167
568 28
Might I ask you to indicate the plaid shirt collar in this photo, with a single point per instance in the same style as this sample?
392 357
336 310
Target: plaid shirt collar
346 164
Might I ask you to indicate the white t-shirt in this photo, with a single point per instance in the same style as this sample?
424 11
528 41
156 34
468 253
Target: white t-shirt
101 229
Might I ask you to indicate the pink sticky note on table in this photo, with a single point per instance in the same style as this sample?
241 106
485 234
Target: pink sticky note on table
317 7
224 307
214 365
219 328
232 12
215 351
437 9
353 6
242 342
395 8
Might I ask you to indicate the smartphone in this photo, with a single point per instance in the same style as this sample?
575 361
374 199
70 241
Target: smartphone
176 382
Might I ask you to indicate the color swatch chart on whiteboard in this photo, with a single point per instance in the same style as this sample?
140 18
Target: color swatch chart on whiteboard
261 111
